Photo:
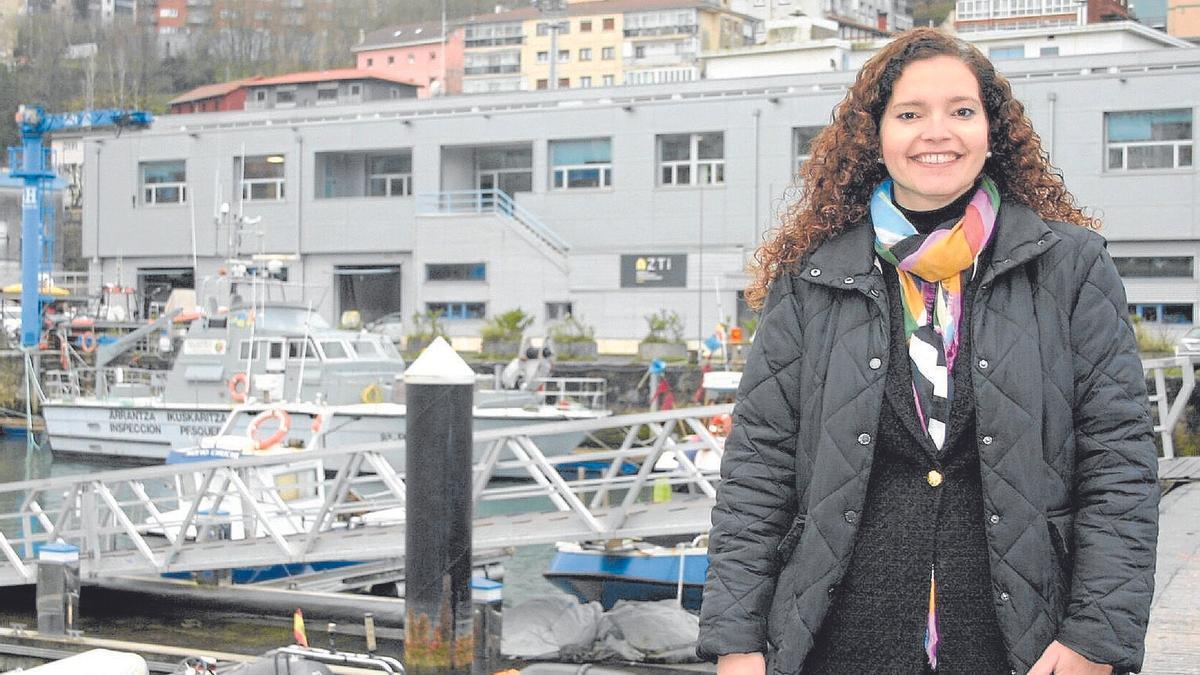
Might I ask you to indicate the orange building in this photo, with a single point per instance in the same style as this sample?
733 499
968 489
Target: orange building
418 53
1183 19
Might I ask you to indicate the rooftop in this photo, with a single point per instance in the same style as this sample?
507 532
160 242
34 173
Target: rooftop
401 36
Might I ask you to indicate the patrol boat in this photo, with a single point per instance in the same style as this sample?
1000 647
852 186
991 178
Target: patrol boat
256 354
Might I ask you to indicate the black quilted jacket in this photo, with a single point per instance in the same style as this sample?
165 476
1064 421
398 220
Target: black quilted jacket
1066 449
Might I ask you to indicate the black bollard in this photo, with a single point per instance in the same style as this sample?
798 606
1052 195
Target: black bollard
439 632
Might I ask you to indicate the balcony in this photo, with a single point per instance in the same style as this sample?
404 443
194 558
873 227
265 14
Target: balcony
492 70
659 31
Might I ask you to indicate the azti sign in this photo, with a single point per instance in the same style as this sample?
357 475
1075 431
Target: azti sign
654 271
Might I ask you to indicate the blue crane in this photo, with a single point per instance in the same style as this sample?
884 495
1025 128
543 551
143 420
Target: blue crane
31 162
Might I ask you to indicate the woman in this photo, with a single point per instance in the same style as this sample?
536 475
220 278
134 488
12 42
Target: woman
942 458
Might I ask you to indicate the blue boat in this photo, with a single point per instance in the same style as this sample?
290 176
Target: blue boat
633 571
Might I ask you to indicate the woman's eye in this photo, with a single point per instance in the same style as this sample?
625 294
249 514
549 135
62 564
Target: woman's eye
907 116
965 112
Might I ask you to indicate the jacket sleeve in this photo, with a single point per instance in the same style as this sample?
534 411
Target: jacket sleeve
1116 475
756 499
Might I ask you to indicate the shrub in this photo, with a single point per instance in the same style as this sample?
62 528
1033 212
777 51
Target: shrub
571 330
665 326
506 327
427 326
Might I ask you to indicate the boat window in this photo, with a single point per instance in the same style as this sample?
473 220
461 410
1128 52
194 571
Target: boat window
389 350
292 319
366 349
334 349
301 484
244 349
305 348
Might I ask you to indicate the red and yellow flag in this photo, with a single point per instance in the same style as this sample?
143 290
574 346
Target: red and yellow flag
298 628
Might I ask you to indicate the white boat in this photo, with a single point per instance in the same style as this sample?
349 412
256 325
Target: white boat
260 355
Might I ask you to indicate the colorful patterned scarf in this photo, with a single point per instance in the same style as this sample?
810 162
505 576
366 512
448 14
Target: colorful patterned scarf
933 269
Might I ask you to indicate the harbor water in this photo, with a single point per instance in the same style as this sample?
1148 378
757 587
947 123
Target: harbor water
107 614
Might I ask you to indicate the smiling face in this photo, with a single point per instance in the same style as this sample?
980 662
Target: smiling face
934 133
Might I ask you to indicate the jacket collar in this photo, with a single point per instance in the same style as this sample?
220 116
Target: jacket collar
848 259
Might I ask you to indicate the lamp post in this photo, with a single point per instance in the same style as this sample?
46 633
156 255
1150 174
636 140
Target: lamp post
552 10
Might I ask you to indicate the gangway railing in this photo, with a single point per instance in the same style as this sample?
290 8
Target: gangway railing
348 503
1169 412
457 202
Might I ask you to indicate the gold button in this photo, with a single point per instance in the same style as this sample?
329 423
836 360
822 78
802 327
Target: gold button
934 478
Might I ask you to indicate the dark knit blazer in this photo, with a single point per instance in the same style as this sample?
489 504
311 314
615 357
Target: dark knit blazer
878 617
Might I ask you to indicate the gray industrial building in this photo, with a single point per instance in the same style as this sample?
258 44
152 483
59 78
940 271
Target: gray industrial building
624 201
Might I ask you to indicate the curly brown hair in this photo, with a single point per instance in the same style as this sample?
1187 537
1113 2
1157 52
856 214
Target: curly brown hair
843 171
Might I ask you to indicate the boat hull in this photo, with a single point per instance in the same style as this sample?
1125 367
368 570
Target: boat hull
609 576
147 431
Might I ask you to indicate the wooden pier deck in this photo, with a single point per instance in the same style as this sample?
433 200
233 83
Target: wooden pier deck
1173 639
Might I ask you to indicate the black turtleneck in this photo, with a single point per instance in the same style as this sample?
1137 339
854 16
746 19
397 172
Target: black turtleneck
927 221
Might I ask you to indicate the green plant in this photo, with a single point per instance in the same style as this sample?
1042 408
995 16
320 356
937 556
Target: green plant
1149 340
749 326
427 326
506 327
571 330
665 326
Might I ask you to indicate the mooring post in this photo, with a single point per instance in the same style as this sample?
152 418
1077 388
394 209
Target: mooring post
439 630
487 596
57 588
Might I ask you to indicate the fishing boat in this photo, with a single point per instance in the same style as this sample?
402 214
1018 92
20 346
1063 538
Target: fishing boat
260 353
631 570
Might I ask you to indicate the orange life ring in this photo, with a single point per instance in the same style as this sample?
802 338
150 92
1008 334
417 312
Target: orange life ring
185 317
316 423
239 386
88 342
285 424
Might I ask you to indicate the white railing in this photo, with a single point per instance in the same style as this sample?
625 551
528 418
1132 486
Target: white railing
271 509
489 201
1169 412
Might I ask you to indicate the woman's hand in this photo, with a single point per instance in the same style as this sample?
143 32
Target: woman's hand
1059 659
742 664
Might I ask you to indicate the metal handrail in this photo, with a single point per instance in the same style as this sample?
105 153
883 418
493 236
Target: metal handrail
488 201
142 520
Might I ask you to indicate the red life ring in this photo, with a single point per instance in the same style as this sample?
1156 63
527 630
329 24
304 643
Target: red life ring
88 342
285 424
239 386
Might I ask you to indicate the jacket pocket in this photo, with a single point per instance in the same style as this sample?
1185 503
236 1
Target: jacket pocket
1060 527
787 545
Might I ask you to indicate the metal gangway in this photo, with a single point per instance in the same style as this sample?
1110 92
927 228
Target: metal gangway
347 503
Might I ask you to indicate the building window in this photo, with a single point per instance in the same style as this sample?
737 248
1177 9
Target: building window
1148 139
391 60
585 54
585 26
390 175
509 169
802 138
355 89
456 272
543 84
370 62
543 57
557 311
164 182
285 96
260 95
639 52
610 24
457 310
692 159
607 53
1155 266
412 58
261 177
1017 52
581 163
327 94
1162 313
492 63
1048 51
564 83
585 81
433 56
564 55
607 80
